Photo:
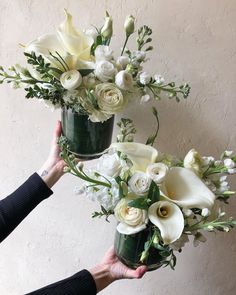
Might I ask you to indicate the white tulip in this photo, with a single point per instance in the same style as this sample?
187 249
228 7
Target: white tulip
139 183
71 80
103 52
124 80
105 71
183 187
157 172
141 155
168 218
122 61
109 164
132 220
144 78
193 161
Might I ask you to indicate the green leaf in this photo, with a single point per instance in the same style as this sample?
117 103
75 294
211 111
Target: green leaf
85 72
141 203
153 193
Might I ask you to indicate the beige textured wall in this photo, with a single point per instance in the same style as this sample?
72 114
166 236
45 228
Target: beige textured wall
194 41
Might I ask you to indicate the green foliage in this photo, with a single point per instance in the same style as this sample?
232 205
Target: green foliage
127 130
151 139
143 38
103 213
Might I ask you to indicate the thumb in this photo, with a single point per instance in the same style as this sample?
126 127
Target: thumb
135 273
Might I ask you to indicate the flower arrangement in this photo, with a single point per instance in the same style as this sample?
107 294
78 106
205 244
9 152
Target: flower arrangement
167 198
78 70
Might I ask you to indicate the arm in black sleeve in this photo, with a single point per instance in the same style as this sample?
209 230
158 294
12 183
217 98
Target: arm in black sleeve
82 283
15 207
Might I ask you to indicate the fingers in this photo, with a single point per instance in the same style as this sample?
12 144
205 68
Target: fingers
57 132
135 273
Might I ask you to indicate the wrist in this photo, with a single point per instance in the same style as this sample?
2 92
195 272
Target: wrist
50 174
102 276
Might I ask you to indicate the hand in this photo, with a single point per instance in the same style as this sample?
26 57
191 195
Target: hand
52 169
111 269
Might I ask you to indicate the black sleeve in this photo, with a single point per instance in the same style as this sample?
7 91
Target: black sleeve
82 283
15 207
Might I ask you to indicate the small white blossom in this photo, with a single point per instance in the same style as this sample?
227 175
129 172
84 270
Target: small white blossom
205 212
159 79
228 153
144 78
229 163
187 212
232 170
207 160
103 52
218 163
122 61
145 98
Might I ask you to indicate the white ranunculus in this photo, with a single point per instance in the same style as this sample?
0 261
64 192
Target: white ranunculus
229 163
144 78
169 219
140 154
132 220
74 47
193 161
183 187
122 61
139 183
105 71
124 80
71 80
109 98
109 164
157 172
103 52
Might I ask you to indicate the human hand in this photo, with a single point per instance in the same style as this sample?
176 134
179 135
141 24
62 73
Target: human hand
52 169
111 269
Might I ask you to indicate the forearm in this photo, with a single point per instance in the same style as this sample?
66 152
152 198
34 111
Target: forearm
15 207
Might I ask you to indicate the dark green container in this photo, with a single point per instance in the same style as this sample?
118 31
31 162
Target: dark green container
87 140
129 248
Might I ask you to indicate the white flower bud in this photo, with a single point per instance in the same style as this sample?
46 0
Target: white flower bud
122 61
107 29
187 212
159 79
129 25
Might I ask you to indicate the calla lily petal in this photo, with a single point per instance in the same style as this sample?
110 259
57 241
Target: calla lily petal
125 229
140 154
183 187
168 218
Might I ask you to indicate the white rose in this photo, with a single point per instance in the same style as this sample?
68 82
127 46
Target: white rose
157 172
144 78
103 52
71 80
139 183
229 163
109 165
193 161
132 220
109 98
122 61
105 70
124 80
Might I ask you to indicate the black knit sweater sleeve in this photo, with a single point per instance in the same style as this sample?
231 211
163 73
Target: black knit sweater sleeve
15 207
82 283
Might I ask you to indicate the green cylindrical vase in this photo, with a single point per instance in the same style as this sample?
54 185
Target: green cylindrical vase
129 248
87 139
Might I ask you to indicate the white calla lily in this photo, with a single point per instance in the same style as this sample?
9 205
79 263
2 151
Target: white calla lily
183 187
140 154
169 219
73 46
